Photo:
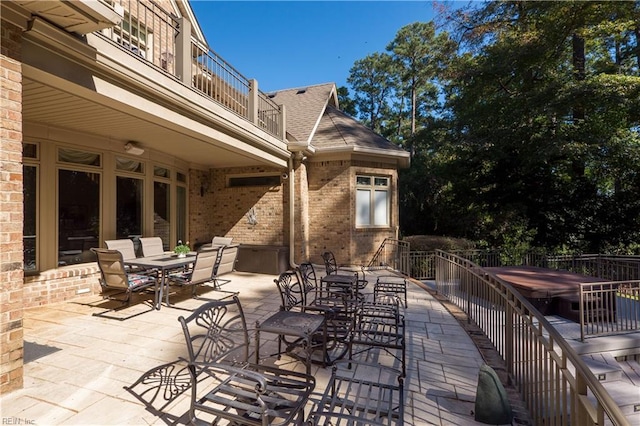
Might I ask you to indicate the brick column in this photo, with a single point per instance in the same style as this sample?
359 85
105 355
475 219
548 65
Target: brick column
11 210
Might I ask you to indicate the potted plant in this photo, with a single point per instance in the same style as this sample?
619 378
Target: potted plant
182 249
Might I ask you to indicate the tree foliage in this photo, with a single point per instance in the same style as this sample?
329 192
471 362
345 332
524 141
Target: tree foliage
530 132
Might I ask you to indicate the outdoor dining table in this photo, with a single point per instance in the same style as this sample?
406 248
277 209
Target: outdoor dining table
164 263
341 282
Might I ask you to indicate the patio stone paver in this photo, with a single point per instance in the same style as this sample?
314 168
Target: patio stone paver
85 361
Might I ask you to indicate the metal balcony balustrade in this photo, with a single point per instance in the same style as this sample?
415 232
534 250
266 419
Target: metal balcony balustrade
555 383
158 37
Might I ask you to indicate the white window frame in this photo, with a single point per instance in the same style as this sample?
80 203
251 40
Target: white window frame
130 38
371 192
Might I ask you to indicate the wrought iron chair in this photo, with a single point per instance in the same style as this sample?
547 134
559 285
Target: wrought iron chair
300 328
151 246
225 385
391 285
361 394
115 280
379 325
341 304
332 268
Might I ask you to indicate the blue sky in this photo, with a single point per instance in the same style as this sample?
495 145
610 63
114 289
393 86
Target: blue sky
287 44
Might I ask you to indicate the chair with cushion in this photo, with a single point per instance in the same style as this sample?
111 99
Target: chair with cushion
225 387
115 280
200 273
226 263
221 241
151 246
124 246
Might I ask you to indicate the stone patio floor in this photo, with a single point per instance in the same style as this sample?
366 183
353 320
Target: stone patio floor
77 364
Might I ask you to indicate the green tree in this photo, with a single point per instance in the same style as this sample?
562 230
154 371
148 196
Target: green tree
541 124
347 104
371 80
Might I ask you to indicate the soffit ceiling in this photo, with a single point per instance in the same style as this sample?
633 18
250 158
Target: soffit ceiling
46 105
79 16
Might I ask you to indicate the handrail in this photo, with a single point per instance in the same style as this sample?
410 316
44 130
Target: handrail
392 254
552 379
150 33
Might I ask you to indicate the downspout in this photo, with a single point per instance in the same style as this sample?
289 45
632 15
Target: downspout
292 227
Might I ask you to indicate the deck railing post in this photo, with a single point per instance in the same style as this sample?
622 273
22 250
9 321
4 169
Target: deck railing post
183 52
253 101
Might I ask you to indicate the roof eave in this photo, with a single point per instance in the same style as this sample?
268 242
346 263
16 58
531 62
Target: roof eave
401 158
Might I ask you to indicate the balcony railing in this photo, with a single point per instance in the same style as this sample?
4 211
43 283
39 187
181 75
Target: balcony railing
555 383
154 35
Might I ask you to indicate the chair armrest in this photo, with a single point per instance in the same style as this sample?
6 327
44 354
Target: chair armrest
260 381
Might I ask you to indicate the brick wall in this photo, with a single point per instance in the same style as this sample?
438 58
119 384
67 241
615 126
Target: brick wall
11 210
61 285
330 206
230 206
331 211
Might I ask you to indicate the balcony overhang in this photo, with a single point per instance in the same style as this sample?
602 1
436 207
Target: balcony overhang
77 16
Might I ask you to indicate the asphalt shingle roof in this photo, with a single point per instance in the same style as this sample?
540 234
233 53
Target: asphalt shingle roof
304 107
338 129
313 117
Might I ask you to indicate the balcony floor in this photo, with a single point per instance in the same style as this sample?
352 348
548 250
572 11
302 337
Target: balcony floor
76 364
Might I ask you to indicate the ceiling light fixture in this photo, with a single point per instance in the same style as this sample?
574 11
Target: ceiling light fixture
133 149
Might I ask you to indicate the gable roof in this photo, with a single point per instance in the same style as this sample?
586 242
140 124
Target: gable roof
316 124
305 106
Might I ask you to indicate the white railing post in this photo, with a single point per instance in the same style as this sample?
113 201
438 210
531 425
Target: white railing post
253 101
183 51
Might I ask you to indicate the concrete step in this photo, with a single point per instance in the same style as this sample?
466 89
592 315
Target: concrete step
626 395
604 366
631 369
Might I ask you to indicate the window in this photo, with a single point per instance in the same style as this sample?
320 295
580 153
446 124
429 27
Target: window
29 232
181 213
133 35
161 209
257 180
78 216
128 207
372 201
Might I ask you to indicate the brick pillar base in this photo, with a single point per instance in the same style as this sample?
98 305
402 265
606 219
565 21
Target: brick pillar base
11 211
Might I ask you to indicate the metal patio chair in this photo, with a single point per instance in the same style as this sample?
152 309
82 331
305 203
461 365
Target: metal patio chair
300 328
341 304
361 394
224 385
115 280
379 329
201 272
151 246
332 267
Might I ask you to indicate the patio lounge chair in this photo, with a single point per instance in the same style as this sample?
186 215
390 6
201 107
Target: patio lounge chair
224 385
361 394
115 279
